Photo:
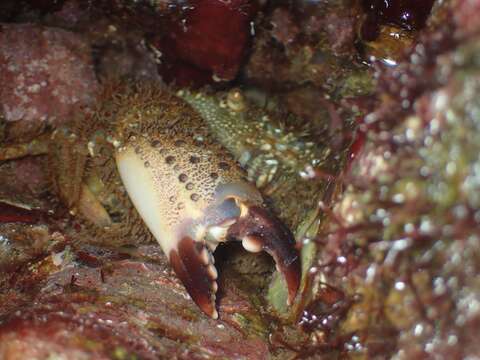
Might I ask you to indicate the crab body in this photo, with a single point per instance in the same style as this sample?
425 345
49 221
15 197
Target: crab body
279 157
146 165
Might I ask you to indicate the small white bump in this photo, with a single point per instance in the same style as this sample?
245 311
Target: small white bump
266 147
205 257
251 244
219 233
212 259
212 270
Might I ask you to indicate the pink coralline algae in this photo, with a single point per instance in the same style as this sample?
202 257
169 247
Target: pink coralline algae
46 74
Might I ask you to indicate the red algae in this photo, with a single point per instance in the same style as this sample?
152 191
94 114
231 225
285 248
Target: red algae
408 217
9 214
92 301
212 36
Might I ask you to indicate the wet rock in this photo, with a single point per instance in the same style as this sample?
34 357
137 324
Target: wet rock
311 44
406 13
115 306
24 183
389 28
47 76
127 58
119 49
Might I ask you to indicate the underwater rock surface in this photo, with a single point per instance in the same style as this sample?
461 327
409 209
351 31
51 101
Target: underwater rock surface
46 74
391 251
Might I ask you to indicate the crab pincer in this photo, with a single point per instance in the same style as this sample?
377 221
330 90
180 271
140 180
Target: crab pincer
192 195
147 166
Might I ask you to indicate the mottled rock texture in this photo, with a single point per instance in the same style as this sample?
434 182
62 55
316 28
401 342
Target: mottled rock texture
47 76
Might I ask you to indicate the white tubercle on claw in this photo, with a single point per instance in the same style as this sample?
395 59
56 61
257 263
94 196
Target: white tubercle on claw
250 244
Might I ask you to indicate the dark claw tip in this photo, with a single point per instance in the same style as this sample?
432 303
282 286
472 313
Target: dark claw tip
197 277
261 230
292 273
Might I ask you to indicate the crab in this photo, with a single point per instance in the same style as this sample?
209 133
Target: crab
145 164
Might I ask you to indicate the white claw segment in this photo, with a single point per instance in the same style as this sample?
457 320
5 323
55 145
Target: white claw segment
143 190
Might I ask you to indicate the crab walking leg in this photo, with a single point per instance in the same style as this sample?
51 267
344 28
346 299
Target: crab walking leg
38 146
92 209
189 219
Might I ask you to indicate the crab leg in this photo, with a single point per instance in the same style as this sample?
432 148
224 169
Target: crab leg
38 146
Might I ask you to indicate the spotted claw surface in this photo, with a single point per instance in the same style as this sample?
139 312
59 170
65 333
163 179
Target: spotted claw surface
192 195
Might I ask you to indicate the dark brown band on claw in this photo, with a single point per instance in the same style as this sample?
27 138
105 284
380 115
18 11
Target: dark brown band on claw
259 229
197 276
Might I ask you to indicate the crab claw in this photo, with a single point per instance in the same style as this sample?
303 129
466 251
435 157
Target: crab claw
259 230
191 262
189 219
237 215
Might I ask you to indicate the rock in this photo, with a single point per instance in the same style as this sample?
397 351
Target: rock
47 76
94 303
